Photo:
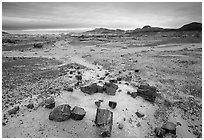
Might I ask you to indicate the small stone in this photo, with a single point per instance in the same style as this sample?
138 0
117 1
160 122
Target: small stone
169 127
124 119
50 103
30 106
119 78
139 114
136 70
112 104
3 123
159 132
113 81
13 110
98 103
78 113
138 124
69 89
120 126
78 77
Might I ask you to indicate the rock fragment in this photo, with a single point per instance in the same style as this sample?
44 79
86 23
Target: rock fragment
132 94
120 126
60 113
30 106
169 127
78 113
112 104
110 88
139 114
50 103
70 89
91 89
159 132
13 110
104 122
97 103
147 92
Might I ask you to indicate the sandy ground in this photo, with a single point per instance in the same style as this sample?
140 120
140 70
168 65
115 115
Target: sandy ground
35 123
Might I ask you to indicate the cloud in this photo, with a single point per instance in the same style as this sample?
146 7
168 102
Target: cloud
26 16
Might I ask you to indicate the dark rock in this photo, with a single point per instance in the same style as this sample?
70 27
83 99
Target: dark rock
119 78
104 122
132 94
3 123
112 104
100 89
13 110
38 45
60 113
169 127
113 81
30 106
120 126
78 77
139 114
91 89
138 124
110 88
136 70
68 89
106 74
98 103
78 113
159 132
147 92
100 100
71 72
50 103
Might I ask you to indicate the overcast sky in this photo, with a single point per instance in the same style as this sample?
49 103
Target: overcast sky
77 16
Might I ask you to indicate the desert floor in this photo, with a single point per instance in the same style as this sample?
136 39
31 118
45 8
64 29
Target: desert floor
33 75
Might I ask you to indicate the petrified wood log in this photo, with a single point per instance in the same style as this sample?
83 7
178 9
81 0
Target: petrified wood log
104 122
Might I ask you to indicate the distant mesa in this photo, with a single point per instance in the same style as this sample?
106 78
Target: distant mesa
194 26
105 31
146 26
4 33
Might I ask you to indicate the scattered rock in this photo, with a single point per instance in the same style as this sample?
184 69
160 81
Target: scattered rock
78 77
100 89
13 110
113 81
110 88
98 103
159 132
50 103
78 113
70 89
104 122
139 114
132 94
112 104
147 92
60 113
120 126
119 78
169 127
91 89
38 45
138 124
30 106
